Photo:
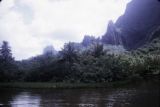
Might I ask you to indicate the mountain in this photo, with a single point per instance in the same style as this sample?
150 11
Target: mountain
49 50
88 40
113 35
153 46
134 28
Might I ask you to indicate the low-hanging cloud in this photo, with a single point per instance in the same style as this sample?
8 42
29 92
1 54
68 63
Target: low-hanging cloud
30 25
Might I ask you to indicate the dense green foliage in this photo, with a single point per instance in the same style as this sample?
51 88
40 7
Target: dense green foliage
8 68
94 65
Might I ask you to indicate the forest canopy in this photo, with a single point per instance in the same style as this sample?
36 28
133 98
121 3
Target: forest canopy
91 65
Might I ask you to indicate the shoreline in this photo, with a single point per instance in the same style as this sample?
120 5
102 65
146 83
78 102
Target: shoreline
64 85
48 85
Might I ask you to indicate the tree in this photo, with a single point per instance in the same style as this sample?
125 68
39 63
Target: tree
97 49
5 51
8 67
69 53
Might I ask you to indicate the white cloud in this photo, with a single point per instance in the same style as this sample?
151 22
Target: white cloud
30 25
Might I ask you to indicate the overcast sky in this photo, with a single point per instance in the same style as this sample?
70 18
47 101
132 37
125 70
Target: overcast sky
30 25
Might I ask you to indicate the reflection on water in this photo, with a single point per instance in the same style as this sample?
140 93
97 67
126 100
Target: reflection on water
25 99
142 96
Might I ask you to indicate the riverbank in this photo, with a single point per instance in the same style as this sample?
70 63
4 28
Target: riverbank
37 85
49 85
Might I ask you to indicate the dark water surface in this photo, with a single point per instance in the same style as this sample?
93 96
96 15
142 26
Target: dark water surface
144 95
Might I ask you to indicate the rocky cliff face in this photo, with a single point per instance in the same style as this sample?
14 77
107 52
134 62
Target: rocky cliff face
152 47
134 28
113 35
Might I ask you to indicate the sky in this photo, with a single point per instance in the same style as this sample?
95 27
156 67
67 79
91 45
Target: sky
31 25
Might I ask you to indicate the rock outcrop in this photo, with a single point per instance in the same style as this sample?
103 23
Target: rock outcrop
113 35
134 28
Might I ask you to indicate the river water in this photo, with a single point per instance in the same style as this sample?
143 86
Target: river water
143 95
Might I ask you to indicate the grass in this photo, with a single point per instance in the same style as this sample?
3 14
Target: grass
47 85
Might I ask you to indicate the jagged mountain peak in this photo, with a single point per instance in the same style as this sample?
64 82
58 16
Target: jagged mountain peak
113 35
134 28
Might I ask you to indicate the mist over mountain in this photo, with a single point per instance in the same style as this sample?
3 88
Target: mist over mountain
96 60
49 50
134 28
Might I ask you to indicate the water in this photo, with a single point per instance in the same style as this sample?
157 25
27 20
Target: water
138 96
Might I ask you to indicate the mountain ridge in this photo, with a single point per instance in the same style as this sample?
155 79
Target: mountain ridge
135 26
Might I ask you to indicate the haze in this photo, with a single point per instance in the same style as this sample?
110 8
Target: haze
31 25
